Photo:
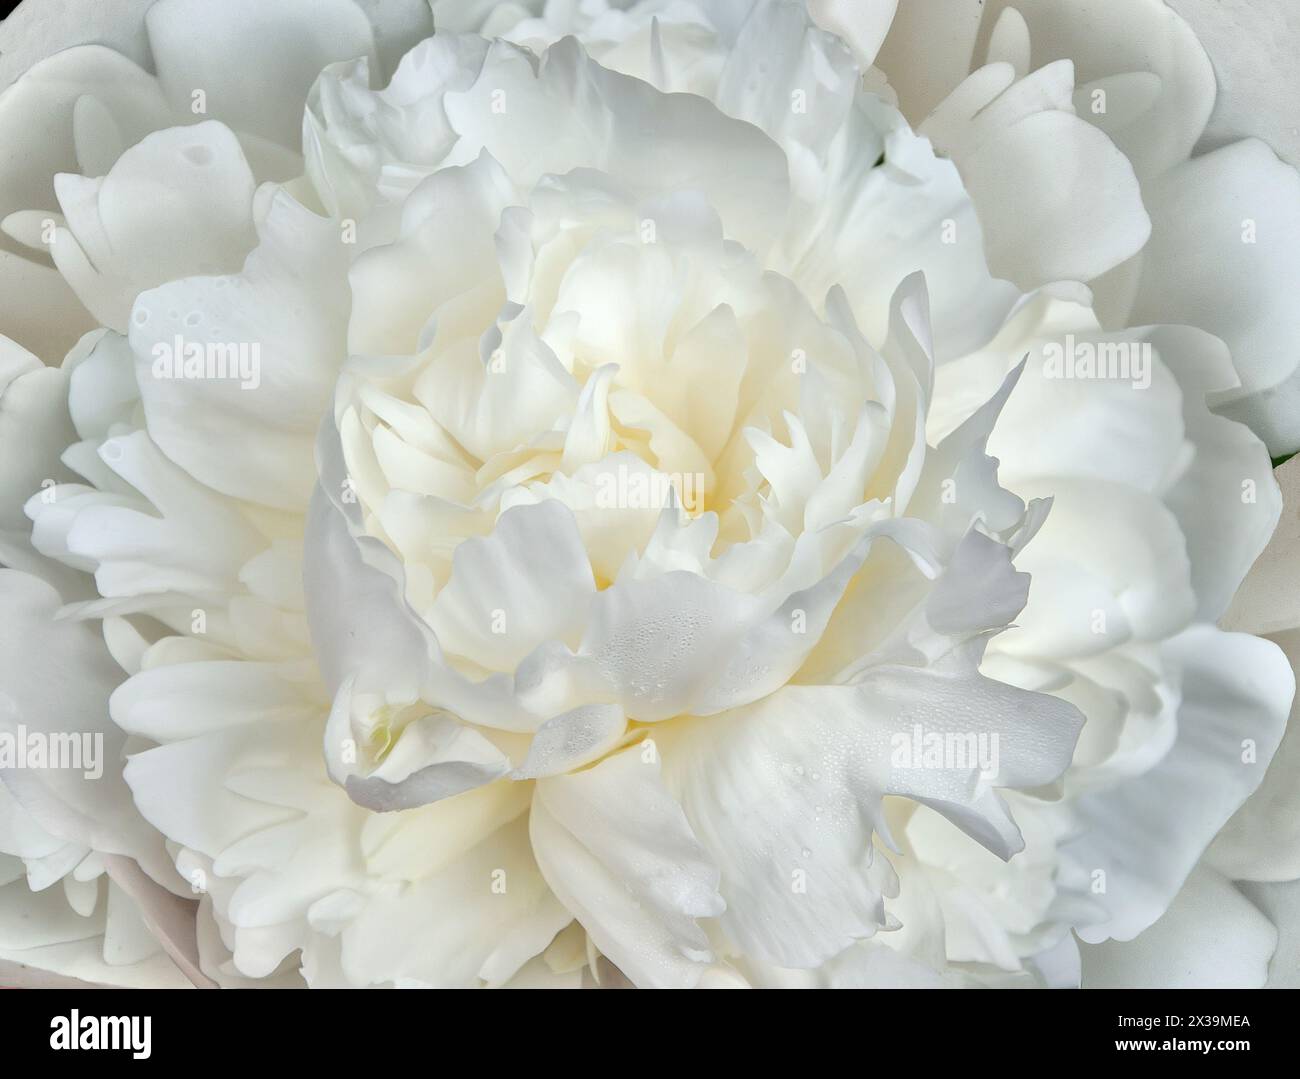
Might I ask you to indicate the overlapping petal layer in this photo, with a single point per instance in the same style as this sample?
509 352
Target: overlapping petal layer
611 532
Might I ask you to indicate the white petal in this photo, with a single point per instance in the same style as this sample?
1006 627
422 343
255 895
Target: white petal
177 203
1210 938
175 535
481 916
1147 833
793 81
28 35
662 643
1223 251
1107 565
1056 199
572 739
1267 600
34 431
502 396
1156 418
1009 42
283 320
355 589
257 61
548 120
286 836
1262 840
1115 37
527 583
862 23
1250 46
434 757
35 656
610 528
398 287
352 133
1226 500
785 794
884 220
36 118
617 851
184 700
361 624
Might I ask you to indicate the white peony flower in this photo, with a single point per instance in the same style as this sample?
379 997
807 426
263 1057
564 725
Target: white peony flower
656 490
